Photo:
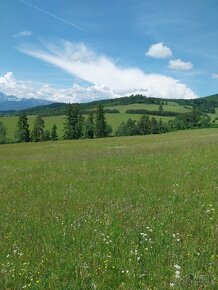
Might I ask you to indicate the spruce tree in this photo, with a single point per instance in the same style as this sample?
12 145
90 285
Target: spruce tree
160 107
38 130
46 135
100 122
23 133
54 136
144 125
154 126
89 126
3 132
128 128
74 122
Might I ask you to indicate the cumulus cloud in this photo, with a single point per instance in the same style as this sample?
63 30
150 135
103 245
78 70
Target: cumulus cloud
159 50
215 76
29 89
178 64
77 93
105 77
23 34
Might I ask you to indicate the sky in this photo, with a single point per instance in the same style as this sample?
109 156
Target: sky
79 51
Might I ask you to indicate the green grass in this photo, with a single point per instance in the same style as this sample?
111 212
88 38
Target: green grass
172 107
114 213
113 119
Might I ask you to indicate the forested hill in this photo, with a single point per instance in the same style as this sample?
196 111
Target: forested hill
205 104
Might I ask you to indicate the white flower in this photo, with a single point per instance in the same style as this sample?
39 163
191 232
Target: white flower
177 267
177 274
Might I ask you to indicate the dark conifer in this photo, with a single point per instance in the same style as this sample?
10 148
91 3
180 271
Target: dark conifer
100 122
74 122
89 126
54 136
38 130
23 133
3 132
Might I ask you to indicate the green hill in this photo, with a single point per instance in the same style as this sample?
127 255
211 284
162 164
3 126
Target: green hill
113 119
51 113
206 104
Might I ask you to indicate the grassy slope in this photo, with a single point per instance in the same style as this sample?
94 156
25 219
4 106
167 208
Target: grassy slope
171 106
113 119
116 213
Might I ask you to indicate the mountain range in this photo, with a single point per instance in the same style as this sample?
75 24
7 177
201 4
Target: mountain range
12 103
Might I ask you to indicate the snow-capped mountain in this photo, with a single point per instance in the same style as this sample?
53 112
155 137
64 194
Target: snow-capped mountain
8 103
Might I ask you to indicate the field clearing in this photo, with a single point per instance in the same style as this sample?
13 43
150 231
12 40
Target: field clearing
171 107
114 213
113 119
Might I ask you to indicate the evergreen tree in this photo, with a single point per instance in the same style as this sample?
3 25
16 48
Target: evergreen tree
54 136
89 126
162 128
154 126
108 130
46 135
160 107
3 133
23 133
74 122
144 125
100 122
127 129
205 121
38 130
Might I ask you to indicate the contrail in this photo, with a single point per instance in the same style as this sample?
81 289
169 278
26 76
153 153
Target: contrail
48 13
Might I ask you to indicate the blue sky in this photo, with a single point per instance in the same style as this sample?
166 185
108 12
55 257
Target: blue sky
67 50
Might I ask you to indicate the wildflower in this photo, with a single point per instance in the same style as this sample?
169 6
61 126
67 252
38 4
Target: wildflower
177 274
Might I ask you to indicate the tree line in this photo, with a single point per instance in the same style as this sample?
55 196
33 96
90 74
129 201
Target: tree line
95 125
206 104
75 127
144 126
155 113
147 125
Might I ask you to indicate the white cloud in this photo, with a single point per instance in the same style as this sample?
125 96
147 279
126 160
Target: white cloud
106 78
23 34
29 89
178 64
159 50
215 76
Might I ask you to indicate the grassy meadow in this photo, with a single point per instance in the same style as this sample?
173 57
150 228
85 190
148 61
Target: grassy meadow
113 119
171 107
114 213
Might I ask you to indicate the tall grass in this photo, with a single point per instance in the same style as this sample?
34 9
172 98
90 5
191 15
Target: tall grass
114 213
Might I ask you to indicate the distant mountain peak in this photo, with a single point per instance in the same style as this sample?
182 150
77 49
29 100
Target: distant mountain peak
8 103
